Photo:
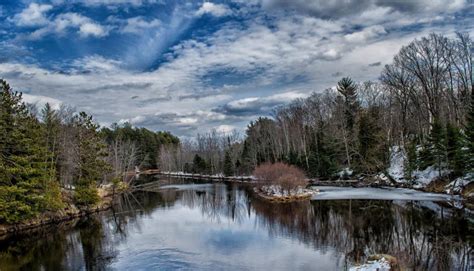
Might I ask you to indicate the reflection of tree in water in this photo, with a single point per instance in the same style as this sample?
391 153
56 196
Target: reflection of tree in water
222 200
424 239
358 228
56 249
419 237
97 247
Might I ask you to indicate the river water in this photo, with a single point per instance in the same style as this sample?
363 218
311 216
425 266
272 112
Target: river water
186 225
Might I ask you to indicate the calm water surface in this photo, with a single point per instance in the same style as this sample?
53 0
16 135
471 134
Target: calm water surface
181 225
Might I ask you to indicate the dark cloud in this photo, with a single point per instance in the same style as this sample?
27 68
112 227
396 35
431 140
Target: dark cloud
375 64
320 8
336 74
197 96
256 106
344 8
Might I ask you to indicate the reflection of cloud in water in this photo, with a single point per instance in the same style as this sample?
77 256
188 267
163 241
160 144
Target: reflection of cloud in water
232 241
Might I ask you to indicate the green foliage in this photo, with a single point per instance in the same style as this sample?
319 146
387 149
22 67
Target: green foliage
411 163
148 142
199 165
86 195
372 147
228 165
437 144
321 160
470 136
454 150
25 188
92 166
348 89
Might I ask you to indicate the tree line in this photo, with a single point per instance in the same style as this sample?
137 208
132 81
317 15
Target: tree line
49 156
422 105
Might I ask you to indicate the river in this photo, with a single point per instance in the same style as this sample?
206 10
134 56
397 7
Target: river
186 225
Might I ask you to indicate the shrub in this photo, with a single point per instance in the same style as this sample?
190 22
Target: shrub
282 177
86 196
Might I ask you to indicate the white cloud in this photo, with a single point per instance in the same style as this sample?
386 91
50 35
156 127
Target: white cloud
225 129
92 29
137 24
33 15
84 25
217 10
40 101
297 54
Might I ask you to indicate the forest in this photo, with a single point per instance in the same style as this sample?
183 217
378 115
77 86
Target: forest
43 154
421 107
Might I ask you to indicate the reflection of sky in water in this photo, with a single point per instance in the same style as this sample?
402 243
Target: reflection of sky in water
216 226
184 238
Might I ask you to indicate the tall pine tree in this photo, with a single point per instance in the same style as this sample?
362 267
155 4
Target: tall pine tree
228 164
91 164
25 186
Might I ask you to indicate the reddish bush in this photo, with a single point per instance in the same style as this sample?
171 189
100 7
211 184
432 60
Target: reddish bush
285 178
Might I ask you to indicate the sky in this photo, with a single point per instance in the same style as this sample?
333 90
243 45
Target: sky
191 66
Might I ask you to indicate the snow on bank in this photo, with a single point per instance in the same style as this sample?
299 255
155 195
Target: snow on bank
345 172
458 185
377 265
396 170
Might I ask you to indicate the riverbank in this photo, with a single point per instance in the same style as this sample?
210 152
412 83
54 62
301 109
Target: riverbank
376 181
68 213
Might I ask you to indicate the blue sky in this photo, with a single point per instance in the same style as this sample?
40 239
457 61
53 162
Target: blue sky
193 66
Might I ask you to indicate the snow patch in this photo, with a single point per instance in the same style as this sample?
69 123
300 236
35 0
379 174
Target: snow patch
345 172
424 177
458 185
397 164
378 265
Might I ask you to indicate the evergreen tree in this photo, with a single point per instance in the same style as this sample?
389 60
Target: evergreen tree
228 165
321 157
91 165
348 89
454 150
237 167
52 126
25 187
437 144
199 165
470 136
411 162
372 147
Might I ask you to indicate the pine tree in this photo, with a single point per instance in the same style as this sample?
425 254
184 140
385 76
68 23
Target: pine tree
411 162
348 89
25 189
454 150
199 165
470 136
51 124
228 165
372 147
91 165
321 157
437 145
238 165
